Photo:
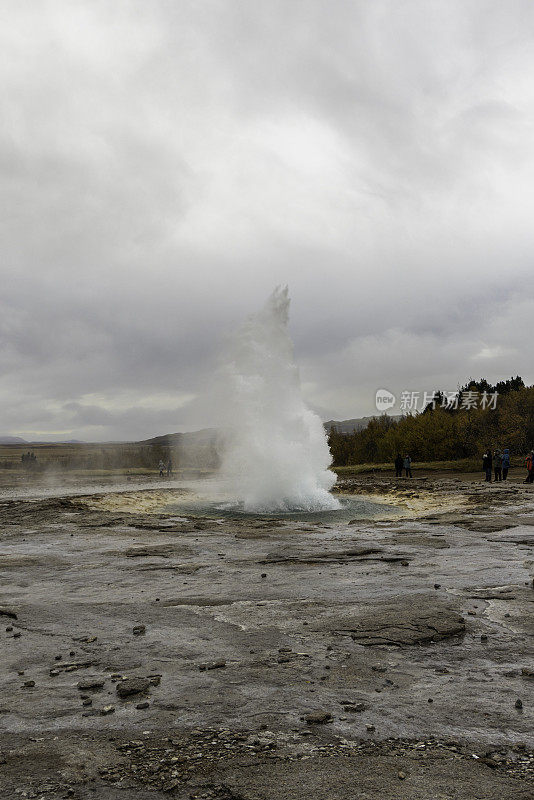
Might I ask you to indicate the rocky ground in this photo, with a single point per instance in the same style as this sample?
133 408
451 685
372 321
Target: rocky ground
147 655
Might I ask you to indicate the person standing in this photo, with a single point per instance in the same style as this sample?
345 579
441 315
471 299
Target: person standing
530 467
161 466
408 466
398 465
169 468
505 463
487 463
497 465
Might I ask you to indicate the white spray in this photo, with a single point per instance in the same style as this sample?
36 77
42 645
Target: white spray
276 457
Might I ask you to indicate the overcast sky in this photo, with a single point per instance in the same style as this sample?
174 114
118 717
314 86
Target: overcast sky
165 164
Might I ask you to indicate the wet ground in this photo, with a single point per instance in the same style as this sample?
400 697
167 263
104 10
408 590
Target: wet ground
146 652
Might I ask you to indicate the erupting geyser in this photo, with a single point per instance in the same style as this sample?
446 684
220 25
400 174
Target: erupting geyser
276 456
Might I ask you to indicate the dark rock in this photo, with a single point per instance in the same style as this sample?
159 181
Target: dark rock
132 686
139 629
318 718
90 683
17 635
142 706
518 703
7 612
107 710
212 665
28 684
87 702
354 708
408 620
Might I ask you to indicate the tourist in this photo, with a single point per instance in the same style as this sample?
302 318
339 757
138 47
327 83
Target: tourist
530 467
487 463
161 467
505 463
169 468
398 466
497 465
408 466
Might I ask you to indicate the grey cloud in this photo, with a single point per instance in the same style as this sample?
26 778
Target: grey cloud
164 165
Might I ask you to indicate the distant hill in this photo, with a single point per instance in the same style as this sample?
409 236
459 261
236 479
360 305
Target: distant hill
350 425
201 449
12 440
198 449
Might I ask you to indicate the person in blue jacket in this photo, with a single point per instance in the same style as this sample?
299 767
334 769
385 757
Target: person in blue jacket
505 463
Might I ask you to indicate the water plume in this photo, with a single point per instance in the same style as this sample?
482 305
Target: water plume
276 456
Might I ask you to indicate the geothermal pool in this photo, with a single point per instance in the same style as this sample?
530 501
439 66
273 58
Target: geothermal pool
349 508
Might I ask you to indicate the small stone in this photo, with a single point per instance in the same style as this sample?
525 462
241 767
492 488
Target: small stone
31 684
138 630
212 665
54 672
107 710
483 638
437 586
155 680
9 628
142 706
90 683
355 708
405 563
379 668
57 658
72 653
87 702
430 700
17 635
370 728
132 686
472 613
318 718
518 703
401 775
527 673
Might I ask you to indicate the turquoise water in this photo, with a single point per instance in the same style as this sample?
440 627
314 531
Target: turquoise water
351 507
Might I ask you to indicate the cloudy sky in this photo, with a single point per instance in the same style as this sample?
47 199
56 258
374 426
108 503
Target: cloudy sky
165 164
